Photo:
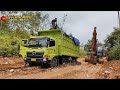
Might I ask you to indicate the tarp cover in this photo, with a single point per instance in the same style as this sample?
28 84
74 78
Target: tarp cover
76 41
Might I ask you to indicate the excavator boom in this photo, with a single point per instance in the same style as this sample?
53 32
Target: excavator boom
94 49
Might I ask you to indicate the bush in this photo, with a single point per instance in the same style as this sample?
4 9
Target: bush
9 42
114 53
8 45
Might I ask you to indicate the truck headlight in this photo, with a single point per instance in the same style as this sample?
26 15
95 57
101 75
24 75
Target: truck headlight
44 59
25 58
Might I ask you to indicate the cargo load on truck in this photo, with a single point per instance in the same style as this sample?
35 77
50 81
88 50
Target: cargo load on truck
76 41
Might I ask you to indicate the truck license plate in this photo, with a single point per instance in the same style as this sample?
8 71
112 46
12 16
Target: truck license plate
33 59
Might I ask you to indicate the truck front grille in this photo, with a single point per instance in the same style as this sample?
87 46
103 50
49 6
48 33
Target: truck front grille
35 54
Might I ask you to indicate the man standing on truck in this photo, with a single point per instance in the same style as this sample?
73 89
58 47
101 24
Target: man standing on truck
54 23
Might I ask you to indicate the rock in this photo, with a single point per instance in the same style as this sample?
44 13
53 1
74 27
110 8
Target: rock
6 63
105 58
58 74
11 62
111 68
107 72
57 68
105 61
103 73
87 75
28 68
117 76
17 70
6 58
11 70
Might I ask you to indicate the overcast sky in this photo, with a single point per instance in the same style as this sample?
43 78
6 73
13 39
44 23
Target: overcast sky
82 23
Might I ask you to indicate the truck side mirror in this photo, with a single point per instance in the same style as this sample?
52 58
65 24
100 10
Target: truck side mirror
24 42
52 43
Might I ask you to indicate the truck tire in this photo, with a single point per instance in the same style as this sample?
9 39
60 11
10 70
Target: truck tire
54 62
74 60
30 64
60 61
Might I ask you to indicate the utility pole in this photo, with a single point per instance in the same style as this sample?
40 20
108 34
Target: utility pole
119 19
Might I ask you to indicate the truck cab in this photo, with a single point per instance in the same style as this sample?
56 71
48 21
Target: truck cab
37 49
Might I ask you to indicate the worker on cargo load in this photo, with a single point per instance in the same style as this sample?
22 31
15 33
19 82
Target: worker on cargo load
54 23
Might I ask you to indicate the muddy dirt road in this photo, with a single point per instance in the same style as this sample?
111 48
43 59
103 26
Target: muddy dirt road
14 69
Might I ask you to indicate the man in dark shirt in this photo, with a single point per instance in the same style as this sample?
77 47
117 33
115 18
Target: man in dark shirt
54 23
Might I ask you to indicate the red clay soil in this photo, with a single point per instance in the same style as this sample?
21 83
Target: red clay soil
13 68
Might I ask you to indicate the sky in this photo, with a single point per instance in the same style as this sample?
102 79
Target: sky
81 23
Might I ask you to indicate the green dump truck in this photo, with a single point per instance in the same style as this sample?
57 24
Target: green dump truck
50 47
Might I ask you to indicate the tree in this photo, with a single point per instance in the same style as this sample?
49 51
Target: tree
113 43
114 53
7 25
113 39
89 44
20 28
39 20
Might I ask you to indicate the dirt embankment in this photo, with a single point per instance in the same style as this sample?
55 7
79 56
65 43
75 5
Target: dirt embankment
12 62
13 68
110 70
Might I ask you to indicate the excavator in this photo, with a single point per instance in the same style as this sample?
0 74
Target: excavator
95 54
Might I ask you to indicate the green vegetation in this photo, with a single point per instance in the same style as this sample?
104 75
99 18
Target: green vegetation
113 43
89 44
114 53
12 31
9 42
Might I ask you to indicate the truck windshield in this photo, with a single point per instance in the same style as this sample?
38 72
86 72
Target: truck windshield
38 42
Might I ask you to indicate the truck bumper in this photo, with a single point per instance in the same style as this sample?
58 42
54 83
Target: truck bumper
37 60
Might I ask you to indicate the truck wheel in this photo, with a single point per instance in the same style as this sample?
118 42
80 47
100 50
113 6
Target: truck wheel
70 59
54 62
60 61
30 64
74 60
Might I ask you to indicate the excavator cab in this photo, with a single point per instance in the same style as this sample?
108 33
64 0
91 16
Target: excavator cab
89 52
